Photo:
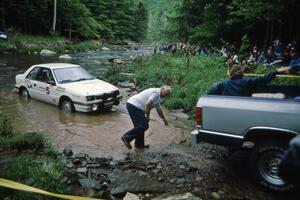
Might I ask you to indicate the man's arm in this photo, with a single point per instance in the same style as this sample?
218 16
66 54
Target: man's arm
148 107
161 114
216 89
263 80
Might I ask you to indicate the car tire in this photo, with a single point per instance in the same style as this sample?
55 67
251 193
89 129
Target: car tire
264 165
24 93
67 105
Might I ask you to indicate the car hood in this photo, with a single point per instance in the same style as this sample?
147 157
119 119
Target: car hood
90 87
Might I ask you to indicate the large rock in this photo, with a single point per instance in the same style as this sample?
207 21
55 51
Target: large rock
187 196
124 84
90 183
118 61
180 115
105 49
130 196
65 57
46 52
129 181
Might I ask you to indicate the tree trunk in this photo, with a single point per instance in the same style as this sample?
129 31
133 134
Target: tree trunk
54 15
267 35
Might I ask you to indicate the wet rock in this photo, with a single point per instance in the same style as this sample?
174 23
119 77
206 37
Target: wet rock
80 155
65 57
141 173
46 52
124 84
68 151
118 61
82 170
159 166
90 183
182 166
105 49
180 115
199 178
128 181
70 165
187 196
130 196
216 195
76 161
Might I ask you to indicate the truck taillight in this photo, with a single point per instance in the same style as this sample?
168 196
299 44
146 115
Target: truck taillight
198 116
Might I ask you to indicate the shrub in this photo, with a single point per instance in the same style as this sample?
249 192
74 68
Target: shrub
23 141
42 173
6 125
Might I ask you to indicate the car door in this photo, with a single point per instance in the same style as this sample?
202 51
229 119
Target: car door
46 86
31 82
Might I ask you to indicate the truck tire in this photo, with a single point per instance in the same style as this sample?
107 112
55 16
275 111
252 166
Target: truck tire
264 165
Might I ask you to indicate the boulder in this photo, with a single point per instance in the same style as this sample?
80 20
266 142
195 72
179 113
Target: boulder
180 115
105 49
130 196
65 56
186 196
118 61
128 181
68 151
90 183
46 52
124 84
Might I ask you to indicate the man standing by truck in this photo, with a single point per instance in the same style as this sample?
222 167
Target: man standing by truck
139 107
238 85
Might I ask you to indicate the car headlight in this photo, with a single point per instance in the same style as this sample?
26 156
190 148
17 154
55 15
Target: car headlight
90 98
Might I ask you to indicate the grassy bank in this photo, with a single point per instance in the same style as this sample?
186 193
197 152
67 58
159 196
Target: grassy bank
29 44
28 158
189 79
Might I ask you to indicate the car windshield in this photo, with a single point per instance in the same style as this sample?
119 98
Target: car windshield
72 74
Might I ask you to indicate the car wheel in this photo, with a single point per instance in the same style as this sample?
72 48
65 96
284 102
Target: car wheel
67 105
264 165
24 93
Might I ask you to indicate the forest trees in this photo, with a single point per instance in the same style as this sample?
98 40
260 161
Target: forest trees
213 21
114 20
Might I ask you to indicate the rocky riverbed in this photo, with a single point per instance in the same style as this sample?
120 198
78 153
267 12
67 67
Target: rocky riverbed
177 171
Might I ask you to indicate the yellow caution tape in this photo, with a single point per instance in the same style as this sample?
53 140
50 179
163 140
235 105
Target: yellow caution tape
18 186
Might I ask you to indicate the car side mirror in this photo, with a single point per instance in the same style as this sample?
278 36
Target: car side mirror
51 82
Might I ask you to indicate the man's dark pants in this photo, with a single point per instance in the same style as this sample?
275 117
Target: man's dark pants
140 124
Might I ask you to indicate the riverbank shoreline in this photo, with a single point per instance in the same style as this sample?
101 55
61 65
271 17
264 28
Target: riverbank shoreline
30 44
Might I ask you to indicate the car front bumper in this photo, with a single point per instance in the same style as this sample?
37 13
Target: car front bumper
97 106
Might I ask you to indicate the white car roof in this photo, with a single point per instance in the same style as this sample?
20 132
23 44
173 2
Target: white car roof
56 65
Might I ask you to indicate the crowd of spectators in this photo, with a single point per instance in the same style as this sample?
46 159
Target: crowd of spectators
277 54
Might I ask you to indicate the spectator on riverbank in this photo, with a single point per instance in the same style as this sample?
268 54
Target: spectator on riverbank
238 85
139 107
294 64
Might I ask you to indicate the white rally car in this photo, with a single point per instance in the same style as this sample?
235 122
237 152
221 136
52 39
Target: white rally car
68 86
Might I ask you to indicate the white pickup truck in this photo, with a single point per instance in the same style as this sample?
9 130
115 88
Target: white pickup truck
265 125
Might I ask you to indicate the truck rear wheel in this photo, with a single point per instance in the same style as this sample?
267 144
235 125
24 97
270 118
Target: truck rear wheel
264 165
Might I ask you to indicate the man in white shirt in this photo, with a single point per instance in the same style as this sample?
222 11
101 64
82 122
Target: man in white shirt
139 107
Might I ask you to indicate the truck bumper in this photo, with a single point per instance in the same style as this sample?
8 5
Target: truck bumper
223 139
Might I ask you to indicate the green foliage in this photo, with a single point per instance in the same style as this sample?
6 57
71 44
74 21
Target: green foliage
6 125
23 141
188 83
42 173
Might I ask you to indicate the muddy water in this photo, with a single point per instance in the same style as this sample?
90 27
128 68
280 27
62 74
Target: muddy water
95 134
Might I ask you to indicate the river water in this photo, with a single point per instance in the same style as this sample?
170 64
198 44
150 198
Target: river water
94 134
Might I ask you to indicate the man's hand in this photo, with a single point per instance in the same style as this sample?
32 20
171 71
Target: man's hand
165 121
